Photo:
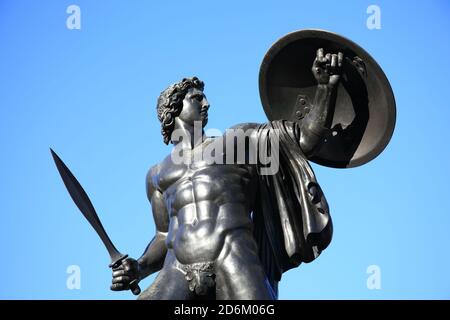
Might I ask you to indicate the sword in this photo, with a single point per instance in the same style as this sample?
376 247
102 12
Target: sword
83 203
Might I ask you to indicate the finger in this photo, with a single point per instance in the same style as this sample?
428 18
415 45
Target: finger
334 60
121 279
340 59
316 63
328 57
129 262
319 55
127 267
118 268
118 287
119 273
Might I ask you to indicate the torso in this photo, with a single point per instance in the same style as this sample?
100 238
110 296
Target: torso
204 202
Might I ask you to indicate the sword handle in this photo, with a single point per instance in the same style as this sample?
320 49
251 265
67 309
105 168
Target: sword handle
134 286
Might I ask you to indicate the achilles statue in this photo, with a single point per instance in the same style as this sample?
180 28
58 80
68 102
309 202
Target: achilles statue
228 230
207 237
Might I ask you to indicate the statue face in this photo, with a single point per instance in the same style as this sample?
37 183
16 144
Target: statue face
195 107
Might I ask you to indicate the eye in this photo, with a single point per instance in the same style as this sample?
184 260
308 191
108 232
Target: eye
198 97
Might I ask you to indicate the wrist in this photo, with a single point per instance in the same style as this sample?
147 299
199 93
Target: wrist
140 270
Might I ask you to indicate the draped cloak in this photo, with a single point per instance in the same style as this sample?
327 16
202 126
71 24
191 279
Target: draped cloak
291 217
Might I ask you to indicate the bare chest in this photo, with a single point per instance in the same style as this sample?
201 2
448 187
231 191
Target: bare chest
184 184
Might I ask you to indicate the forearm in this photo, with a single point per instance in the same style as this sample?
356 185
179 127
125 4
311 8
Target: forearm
153 258
317 122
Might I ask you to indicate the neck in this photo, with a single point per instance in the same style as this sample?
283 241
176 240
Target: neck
187 136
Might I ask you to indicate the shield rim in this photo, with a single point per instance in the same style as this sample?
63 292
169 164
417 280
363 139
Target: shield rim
282 42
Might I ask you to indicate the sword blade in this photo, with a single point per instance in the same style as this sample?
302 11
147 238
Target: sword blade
84 204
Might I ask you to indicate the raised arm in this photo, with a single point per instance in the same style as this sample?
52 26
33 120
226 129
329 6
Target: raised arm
314 127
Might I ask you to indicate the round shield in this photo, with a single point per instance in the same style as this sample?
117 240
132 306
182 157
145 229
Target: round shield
364 114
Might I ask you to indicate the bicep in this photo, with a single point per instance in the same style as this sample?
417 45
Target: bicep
159 209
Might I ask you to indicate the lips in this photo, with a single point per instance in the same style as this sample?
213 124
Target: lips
204 115
204 111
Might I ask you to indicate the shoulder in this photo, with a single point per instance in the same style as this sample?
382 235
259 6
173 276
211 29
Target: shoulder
270 124
152 178
254 129
245 126
288 124
157 173
246 129
241 132
291 128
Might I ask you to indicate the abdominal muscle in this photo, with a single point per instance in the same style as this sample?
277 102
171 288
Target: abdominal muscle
197 232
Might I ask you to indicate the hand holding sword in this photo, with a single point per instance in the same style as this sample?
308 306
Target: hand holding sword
124 268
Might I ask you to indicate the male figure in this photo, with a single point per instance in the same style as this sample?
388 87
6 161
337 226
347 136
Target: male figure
223 230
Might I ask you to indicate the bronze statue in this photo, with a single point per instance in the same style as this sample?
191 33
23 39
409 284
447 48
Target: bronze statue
229 224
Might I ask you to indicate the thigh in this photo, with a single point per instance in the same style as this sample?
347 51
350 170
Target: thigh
239 273
170 284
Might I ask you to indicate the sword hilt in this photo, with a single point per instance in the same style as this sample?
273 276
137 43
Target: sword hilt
134 286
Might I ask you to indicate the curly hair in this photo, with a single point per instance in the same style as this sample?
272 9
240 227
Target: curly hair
170 103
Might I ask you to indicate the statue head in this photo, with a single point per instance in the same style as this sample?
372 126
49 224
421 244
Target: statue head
184 100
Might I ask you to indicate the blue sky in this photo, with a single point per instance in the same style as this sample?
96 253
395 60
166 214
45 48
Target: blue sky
91 93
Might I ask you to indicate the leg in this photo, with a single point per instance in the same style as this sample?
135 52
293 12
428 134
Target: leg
240 274
170 284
